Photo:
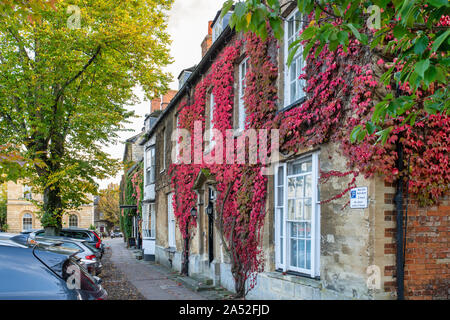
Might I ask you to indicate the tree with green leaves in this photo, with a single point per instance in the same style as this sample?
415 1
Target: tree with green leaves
416 33
108 205
67 73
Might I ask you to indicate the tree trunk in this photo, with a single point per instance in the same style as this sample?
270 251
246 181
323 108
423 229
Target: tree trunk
52 217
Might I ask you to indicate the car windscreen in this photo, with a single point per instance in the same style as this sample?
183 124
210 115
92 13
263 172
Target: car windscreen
71 245
76 234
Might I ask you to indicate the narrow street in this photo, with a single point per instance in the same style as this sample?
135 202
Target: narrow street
126 278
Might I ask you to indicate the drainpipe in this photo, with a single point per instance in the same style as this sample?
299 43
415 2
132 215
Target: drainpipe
400 258
185 270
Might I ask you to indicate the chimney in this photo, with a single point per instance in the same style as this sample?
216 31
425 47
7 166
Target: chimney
207 42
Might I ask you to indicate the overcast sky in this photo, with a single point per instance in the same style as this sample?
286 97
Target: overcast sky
188 26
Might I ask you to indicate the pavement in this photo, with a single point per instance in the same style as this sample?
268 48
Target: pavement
153 281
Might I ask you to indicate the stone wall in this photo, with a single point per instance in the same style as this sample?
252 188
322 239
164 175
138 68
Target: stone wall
17 207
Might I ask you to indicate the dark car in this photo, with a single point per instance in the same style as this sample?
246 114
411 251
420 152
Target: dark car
34 274
76 233
86 252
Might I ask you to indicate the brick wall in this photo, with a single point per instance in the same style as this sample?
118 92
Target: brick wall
427 258
427 273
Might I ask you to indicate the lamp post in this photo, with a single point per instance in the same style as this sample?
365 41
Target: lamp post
209 212
186 242
209 209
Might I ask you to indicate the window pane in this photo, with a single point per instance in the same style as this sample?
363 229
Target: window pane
307 226
294 252
281 219
308 209
149 158
308 186
293 70
301 253
294 230
290 28
297 18
280 196
280 176
301 229
298 210
291 188
281 250
308 254
291 210
300 167
299 187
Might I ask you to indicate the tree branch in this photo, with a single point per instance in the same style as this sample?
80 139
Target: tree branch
68 82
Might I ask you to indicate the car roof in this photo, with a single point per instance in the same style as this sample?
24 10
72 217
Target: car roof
58 238
76 229
24 253
67 229
19 266
10 243
6 235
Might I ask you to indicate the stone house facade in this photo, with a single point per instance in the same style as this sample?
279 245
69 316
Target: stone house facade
335 251
22 214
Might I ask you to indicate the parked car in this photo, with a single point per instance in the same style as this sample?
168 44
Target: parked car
116 234
92 265
29 231
75 233
20 238
10 243
35 274
88 254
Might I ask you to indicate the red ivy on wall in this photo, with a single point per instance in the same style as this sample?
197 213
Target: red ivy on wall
341 89
244 209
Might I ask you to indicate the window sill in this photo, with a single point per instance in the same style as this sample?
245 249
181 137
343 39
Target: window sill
296 277
297 103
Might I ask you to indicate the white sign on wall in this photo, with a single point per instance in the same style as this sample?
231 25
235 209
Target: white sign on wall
358 198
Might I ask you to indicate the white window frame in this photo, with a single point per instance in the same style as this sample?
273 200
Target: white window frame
211 141
282 240
152 220
148 231
243 69
297 62
70 219
150 164
170 222
27 216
